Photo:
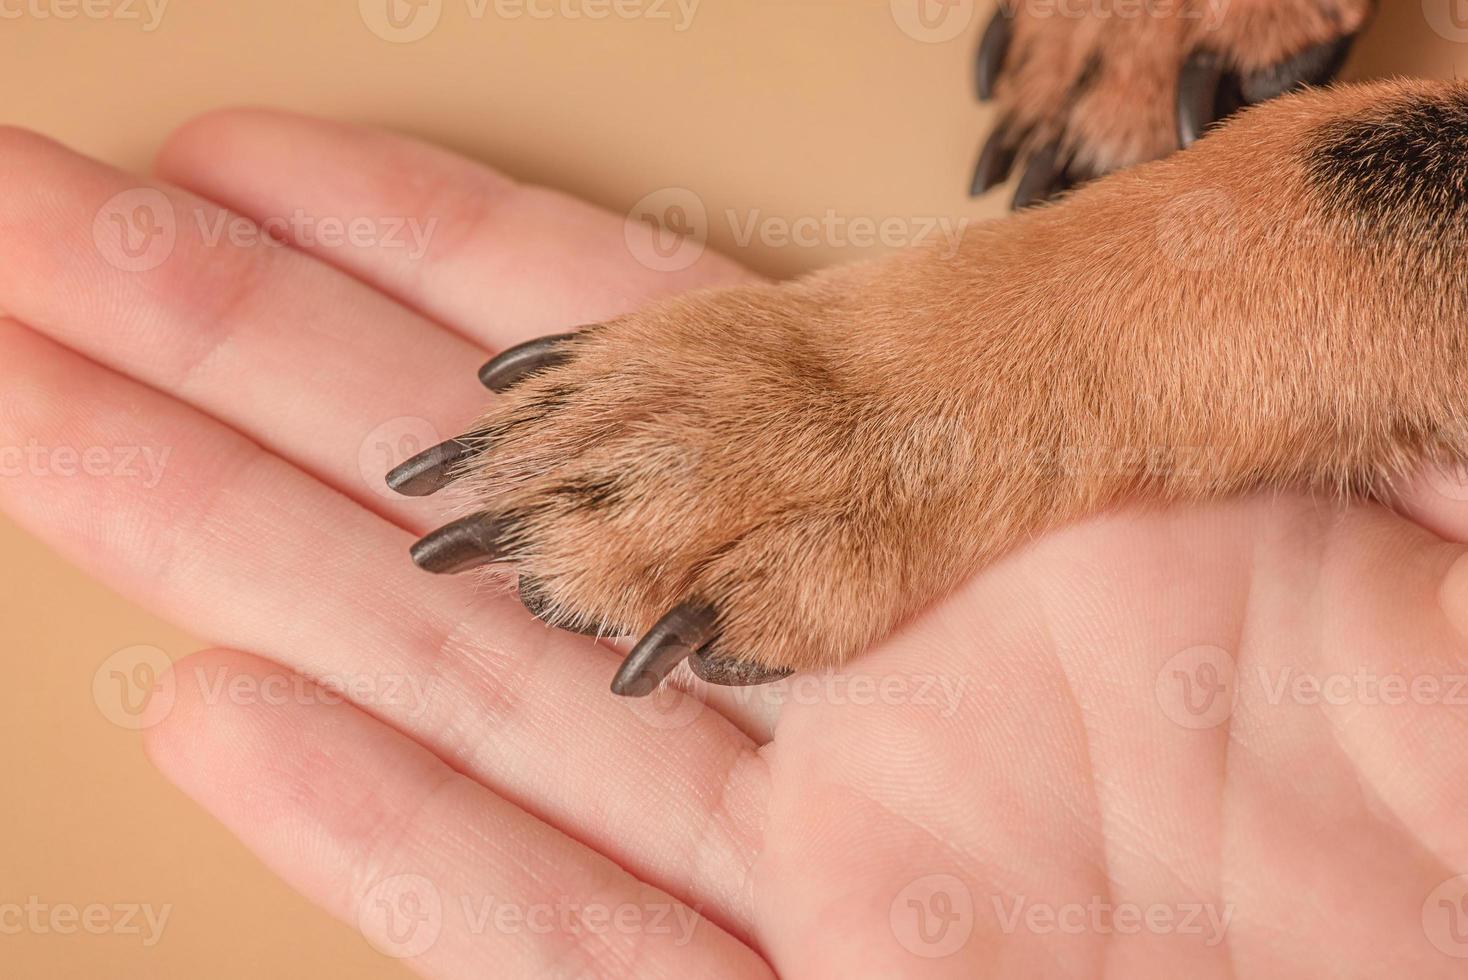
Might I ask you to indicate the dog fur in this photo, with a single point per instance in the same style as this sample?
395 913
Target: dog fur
820 459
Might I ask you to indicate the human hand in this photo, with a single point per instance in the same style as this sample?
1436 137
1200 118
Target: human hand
1112 718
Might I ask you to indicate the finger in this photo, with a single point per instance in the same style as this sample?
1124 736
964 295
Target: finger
238 546
310 363
504 262
1436 497
432 867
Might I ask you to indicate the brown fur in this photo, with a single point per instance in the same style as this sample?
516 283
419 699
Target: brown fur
1104 86
821 459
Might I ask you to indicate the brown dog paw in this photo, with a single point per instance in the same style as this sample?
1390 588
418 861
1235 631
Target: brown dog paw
714 472
1086 88
775 476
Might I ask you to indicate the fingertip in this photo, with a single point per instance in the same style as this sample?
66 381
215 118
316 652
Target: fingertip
1436 497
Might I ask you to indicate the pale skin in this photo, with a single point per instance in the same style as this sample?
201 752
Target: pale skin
1025 740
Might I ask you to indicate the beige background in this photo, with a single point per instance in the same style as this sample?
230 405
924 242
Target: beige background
789 106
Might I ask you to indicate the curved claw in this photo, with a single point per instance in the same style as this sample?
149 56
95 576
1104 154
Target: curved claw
728 672
535 600
992 49
1313 66
466 543
512 365
675 637
432 469
1042 179
996 159
1198 96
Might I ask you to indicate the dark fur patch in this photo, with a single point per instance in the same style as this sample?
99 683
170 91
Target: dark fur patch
588 493
1403 171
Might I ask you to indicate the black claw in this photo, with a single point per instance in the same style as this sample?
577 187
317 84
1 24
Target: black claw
534 598
1043 178
508 368
1313 66
992 49
728 672
995 161
467 543
432 469
1206 93
1197 97
676 636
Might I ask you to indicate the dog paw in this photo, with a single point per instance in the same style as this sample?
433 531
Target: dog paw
1082 90
774 477
726 473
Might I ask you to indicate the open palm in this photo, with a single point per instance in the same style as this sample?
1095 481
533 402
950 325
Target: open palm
1208 742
